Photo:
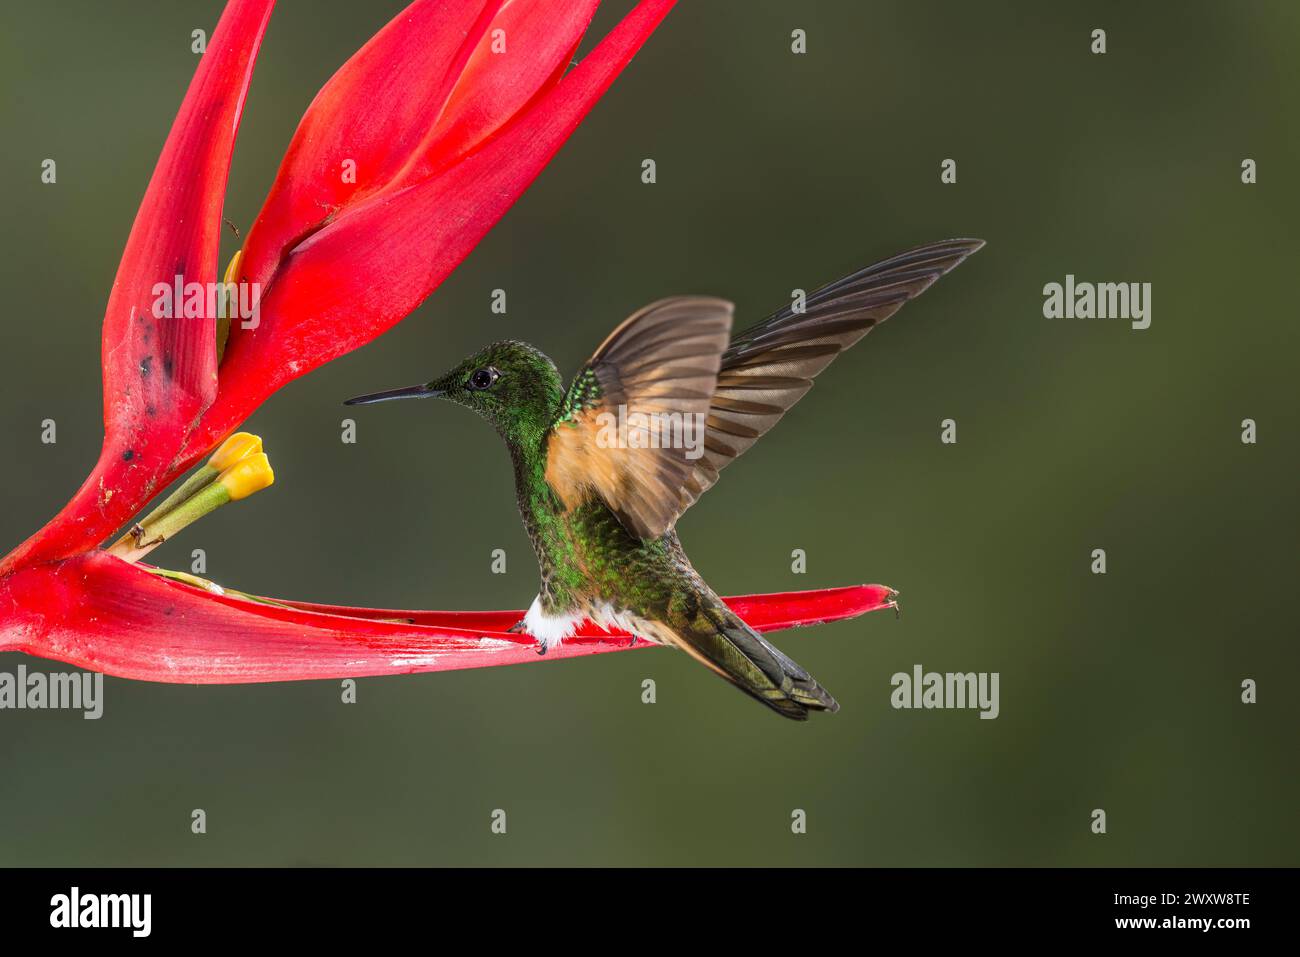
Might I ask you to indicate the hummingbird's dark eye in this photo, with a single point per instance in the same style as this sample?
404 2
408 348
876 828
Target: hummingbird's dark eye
482 379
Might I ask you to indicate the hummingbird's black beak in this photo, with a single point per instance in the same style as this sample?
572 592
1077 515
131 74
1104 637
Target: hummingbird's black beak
410 392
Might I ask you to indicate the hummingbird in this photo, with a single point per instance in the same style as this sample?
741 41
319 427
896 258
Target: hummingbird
604 468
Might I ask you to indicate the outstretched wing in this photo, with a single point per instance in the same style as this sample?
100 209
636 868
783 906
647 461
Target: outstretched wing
632 425
770 366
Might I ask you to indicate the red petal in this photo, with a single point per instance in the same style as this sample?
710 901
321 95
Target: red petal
539 41
160 373
98 612
355 278
425 90
375 111
770 612
799 609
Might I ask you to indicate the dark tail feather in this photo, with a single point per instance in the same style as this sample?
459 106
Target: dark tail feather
733 650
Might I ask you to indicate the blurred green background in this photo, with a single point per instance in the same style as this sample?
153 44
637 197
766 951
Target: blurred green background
775 171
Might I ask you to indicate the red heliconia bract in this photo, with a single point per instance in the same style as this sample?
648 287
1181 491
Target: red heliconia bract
440 123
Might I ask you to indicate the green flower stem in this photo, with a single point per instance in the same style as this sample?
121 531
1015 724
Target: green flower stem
212 586
148 535
194 483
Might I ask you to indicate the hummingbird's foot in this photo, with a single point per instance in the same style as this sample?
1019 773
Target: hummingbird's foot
518 629
893 603
631 640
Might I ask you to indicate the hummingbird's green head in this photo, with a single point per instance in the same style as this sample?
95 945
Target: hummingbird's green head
511 384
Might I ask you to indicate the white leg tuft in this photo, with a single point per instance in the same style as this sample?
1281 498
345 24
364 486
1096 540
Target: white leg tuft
549 630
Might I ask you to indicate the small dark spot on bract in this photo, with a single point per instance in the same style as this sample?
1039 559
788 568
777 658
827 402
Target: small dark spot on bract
128 455
145 365
167 366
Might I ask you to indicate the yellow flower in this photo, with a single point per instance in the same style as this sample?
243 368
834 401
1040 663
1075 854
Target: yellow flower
250 474
237 447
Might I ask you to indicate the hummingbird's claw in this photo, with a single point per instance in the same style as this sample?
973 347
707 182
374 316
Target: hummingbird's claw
516 628
893 603
541 647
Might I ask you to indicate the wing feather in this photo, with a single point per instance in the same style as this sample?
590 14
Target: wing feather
771 366
656 373
672 358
